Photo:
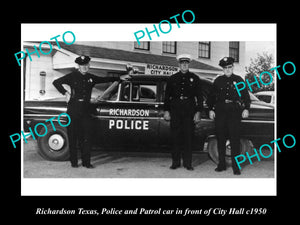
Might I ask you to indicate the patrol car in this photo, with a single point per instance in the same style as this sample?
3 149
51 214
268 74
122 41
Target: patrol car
128 116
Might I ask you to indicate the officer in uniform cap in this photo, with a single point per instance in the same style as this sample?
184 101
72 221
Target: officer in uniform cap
81 83
227 108
182 106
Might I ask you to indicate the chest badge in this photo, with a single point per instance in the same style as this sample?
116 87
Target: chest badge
191 79
90 80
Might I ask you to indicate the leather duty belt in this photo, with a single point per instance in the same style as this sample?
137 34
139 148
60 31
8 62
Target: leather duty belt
79 100
183 98
228 101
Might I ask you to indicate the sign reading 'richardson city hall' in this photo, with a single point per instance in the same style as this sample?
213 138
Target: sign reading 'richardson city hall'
160 69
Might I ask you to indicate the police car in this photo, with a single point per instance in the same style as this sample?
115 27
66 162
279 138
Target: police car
128 116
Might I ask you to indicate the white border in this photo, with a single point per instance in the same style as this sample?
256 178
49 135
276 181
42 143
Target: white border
138 186
149 186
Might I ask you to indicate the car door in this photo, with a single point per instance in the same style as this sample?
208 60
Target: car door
164 126
144 98
131 120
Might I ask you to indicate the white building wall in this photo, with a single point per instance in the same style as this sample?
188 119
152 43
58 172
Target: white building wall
187 47
240 67
33 78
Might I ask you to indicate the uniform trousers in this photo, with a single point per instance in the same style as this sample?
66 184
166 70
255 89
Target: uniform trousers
182 131
228 119
79 131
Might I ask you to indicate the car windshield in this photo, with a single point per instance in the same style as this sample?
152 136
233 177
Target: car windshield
110 94
253 98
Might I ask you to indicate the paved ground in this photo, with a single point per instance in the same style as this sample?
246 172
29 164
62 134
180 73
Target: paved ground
135 165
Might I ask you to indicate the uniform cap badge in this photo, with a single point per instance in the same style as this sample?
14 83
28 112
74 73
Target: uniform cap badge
226 61
82 60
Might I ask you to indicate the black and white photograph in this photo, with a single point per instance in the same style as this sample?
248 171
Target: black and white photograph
165 110
150 111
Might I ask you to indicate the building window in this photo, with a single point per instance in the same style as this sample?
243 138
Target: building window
204 49
144 45
169 47
234 49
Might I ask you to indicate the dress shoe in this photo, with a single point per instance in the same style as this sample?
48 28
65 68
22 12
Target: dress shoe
174 167
237 172
189 168
89 166
220 169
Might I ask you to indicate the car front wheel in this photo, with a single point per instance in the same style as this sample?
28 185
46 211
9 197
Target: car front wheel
54 145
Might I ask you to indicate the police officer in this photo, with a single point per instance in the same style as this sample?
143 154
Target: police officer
81 83
227 107
182 106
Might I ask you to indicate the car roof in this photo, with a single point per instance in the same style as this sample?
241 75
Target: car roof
150 77
265 93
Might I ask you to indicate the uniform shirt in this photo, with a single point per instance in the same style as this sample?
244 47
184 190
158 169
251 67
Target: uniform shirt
185 85
224 89
81 85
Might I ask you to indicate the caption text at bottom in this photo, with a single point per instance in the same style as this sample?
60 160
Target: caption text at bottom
153 211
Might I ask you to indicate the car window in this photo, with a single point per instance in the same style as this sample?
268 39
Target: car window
144 92
265 98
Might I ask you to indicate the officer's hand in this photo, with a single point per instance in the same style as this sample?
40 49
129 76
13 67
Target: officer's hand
197 117
167 116
212 115
93 100
245 113
68 95
125 77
